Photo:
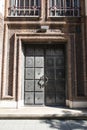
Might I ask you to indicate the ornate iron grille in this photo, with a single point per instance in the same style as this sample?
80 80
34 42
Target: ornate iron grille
64 8
24 7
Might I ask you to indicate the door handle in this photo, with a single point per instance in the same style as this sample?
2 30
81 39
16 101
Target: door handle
43 81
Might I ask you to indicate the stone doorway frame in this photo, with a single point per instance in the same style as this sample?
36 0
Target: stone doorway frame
19 39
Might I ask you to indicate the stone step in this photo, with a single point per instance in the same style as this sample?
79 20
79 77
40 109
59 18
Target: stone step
43 113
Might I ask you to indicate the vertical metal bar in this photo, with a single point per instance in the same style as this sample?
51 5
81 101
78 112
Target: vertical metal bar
29 6
70 8
60 7
34 6
19 6
49 6
54 7
78 6
9 9
65 6
29 2
73 7
18 3
24 7
16 7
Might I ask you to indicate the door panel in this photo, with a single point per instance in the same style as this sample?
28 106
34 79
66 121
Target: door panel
29 98
50 62
39 51
44 75
29 62
50 89
60 73
59 61
59 51
60 85
39 98
34 70
29 85
29 73
37 86
60 99
55 71
50 73
39 72
29 51
39 61
50 51
50 99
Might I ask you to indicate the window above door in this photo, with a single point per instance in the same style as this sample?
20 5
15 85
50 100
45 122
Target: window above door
62 8
24 8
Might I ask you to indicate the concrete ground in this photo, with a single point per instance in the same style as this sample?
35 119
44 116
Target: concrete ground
43 124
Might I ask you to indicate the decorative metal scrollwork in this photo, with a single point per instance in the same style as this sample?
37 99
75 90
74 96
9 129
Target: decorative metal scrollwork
43 81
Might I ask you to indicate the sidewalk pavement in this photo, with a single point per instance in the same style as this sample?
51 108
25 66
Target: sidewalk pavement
45 124
43 113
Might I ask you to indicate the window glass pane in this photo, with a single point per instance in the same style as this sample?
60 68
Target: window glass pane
36 2
39 2
62 3
76 3
12 2
50 3
58 3
21 3
32 2
53 2
17 3
67 3
26 3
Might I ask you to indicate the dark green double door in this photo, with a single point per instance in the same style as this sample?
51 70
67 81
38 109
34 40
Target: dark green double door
44 75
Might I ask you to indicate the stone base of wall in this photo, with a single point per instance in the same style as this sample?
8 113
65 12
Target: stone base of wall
11 104
8 104
76 104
